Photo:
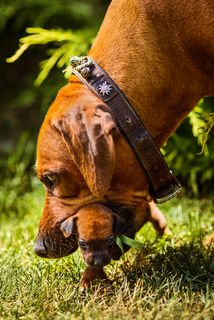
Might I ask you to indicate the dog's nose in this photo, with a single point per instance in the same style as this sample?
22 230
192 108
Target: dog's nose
39 248
98 263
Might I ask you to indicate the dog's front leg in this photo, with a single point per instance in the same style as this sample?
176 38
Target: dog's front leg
89 276
156 217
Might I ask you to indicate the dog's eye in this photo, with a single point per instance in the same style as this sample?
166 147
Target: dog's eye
50 180
83 244
111 240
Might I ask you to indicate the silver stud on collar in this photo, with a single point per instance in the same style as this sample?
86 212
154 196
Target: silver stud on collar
105 88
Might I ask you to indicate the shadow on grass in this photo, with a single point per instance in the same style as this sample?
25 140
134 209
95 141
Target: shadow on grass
189 266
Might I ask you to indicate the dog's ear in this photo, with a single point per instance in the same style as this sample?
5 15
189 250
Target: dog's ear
119 224
69 226
88 134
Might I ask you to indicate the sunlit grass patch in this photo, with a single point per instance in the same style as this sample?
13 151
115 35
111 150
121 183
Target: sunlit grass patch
172 278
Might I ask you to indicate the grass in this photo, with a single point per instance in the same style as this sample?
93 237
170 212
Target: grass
169 279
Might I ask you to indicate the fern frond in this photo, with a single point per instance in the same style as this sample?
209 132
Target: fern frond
205 129
66 44
196 122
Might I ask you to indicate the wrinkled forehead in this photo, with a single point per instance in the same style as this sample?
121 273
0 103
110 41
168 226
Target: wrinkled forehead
51 148
54 157
95 226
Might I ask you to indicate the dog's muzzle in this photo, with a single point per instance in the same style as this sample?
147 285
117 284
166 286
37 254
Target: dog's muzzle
39 248
54 249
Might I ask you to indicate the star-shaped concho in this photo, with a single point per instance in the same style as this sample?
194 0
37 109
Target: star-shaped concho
105 88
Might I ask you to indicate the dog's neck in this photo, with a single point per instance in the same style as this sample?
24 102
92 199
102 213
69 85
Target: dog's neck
143 54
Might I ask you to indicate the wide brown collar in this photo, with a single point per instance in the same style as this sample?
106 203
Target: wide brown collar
164 185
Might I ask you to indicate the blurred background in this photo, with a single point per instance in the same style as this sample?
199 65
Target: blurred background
28 86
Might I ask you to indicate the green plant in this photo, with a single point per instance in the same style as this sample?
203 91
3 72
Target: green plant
18 176
66 44
206 128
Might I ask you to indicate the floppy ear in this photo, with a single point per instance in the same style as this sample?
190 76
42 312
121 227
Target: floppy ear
119 224
88 134
69 226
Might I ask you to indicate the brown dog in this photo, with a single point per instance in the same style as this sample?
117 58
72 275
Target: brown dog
161 55
95 227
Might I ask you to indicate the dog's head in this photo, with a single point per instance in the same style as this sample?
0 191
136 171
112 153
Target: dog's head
76 161
95 228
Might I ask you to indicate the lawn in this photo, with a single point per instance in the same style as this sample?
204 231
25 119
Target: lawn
169 279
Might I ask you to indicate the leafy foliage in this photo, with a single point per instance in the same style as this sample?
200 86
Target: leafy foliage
206 128
73 43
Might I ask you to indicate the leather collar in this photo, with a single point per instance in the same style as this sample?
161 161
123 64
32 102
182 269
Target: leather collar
164 185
